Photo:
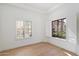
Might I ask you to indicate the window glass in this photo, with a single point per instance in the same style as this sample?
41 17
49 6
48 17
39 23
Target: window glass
23 29
59 28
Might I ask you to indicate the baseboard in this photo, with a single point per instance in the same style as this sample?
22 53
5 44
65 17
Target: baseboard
34 43
39 43
63 48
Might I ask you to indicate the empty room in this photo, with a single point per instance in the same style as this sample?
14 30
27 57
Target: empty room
39 29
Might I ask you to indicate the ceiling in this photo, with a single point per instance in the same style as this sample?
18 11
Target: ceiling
42 7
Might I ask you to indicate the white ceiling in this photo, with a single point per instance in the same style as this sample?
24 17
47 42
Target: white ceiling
42 6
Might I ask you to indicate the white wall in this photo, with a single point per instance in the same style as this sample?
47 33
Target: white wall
68 11
77 47
10 14
41 26
0 26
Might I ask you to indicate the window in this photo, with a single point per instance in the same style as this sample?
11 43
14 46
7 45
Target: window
59 28
23 29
